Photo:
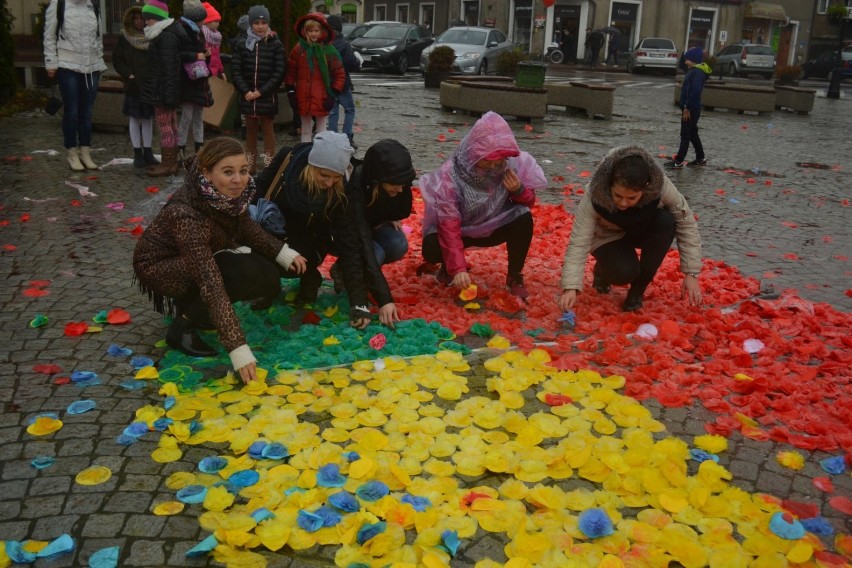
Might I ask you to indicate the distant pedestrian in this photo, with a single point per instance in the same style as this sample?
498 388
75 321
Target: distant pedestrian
630 204
594 43
213 40
74 54
258 68
690 104
130 60
315 72
203 251
195 93
162 84
350 65
614 46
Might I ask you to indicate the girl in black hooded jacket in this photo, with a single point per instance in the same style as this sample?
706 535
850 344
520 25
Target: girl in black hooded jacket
378 197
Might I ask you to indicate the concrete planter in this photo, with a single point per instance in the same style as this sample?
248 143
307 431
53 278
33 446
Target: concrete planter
499 96
106 114
595 100
734 96
797 99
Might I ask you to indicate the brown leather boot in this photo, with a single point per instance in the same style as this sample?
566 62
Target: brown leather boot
169 164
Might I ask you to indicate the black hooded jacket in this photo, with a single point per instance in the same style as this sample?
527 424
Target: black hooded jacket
385 161
162 86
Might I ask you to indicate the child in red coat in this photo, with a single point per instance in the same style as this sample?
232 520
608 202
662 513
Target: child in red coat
315 71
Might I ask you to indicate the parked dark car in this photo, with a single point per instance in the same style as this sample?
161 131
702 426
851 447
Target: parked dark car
823 65
353 30
393 46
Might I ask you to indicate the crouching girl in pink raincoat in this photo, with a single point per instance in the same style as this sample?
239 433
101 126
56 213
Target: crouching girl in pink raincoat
481 197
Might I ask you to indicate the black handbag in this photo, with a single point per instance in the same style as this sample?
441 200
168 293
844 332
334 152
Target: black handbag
54 103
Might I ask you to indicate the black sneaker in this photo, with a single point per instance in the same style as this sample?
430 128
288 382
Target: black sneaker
515 283
632 302
598 282
443 277
674 165
701 162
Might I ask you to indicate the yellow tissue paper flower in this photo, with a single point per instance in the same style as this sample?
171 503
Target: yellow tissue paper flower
150 414
331 340
790 459
800 553
330 311
44 425
711 443
166 455
168 508
94 475
180 479
363 468
218 499
34 546
610 561
274 533
498 342
472 306
149 372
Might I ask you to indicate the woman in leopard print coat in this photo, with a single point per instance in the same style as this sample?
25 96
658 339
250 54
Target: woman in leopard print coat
203 251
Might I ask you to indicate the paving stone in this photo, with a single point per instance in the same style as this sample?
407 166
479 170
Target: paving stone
103 525
46 506
772 483
80 504
743 470
129 502
146 553
50 485
143 526
15 530
50 528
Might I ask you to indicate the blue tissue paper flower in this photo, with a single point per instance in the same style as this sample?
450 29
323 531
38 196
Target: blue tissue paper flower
370 530
309 522
450 541
125 440
132 384
291 490
345 501
255 451
15 551
352 456
136 429
785 526
595 523
139 362
818 526
329 476
244 478
275 451
262 514
372 491
169 402
78 376
329 516
212 464
420 504
192 494
118 351
59 545
105 558
81 406
195 426
43 462
702 456
203 547
162 424
834 465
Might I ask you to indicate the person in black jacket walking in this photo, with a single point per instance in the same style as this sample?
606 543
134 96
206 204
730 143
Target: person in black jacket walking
690 104
258 67
130 60
378 197
162 84
350 64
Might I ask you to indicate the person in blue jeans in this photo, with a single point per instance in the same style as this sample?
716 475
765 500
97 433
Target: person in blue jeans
74 55
690 104
378 199
345 99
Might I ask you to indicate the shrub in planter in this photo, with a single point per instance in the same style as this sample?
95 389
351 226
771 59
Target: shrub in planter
836 13
788 74
441 59
507 62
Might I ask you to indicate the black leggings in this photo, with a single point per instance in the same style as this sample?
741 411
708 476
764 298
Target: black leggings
617 262
517 235
246 276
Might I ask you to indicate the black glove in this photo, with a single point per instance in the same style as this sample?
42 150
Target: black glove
359 312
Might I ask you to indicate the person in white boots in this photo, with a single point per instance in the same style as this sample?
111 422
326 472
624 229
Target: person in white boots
74 55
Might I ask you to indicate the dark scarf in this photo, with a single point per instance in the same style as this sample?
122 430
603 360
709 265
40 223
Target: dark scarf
233 206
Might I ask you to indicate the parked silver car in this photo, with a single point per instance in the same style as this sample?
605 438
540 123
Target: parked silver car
476 49
653 53
744 59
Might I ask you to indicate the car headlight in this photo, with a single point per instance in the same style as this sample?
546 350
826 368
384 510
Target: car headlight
468 55
386 49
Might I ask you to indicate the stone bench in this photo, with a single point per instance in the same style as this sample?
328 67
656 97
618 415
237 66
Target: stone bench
106 114
593 99
734 96
481 96
797 99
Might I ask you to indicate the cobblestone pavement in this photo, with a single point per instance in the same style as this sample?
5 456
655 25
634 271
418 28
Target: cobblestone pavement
83 248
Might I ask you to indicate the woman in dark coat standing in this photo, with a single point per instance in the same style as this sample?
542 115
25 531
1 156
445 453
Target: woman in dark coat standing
162 84
378 197
195 94
130 60
257 67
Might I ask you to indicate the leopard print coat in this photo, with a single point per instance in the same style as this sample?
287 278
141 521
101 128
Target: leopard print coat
175 256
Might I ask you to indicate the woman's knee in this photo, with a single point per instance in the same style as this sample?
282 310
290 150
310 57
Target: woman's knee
431 249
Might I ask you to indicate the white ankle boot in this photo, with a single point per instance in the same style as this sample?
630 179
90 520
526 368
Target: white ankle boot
74 160
86 158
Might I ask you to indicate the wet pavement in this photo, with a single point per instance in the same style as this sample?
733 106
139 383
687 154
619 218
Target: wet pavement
773 201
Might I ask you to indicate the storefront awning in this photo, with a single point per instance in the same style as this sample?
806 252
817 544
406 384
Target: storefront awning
765 10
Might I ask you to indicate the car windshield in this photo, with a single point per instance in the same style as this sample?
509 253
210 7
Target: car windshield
657 43
464 37
386 32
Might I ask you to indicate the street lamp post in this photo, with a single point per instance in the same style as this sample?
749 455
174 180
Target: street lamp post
837 73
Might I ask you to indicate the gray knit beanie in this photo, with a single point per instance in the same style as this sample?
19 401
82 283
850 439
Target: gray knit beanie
194 11
243 23
331 151
256 13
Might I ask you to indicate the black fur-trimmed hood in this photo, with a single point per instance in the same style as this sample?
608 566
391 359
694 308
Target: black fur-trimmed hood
599 186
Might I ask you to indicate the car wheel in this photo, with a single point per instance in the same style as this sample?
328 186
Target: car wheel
630 67
732 70
483 67
402 64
